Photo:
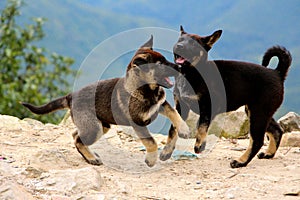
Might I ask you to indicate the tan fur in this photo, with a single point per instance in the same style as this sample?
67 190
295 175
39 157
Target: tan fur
201 135
272 145
246 154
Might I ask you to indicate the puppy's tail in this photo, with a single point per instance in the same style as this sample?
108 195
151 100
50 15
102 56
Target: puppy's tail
57 104
284 57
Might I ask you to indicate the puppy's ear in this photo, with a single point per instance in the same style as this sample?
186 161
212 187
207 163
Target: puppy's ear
210 40
182 30
148 44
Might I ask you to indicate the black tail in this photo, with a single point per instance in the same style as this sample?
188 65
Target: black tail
57 104
284 57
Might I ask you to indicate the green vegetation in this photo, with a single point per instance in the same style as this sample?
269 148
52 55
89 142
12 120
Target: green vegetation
28 72
75 27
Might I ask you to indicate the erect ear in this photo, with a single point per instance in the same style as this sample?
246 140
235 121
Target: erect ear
210 40
148 44
182 30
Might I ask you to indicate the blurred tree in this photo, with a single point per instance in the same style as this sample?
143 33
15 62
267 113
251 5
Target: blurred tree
27 72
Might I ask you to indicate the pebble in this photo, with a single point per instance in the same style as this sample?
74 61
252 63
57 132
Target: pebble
230 196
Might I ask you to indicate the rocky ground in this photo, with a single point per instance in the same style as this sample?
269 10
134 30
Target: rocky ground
40 162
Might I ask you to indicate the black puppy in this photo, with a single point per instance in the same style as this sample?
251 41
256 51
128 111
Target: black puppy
212 87
134 100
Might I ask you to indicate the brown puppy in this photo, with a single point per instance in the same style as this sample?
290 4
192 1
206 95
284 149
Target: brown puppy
134 100
212 87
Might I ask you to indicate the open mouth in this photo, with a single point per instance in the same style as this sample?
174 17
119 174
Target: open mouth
167 83
180 60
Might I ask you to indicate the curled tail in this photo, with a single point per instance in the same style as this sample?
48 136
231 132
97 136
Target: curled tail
284 57
57 104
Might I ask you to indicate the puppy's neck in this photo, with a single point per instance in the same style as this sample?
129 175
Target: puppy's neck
137 87
201 58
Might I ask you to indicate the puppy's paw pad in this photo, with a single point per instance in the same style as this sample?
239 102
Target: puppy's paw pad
151 158
184 130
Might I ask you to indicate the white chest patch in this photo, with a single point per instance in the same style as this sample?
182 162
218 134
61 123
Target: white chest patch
147 115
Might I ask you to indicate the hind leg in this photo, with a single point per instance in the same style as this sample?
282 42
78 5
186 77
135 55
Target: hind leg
89 130
274 132
258 124
90 157
183 111
149 143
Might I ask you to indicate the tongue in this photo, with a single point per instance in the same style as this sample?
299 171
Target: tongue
180 60
169 81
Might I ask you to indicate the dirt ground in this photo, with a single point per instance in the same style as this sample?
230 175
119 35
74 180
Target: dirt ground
29 150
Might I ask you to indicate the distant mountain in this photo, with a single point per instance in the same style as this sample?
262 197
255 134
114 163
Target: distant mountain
75 27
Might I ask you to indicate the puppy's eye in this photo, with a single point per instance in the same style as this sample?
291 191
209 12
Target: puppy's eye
140 61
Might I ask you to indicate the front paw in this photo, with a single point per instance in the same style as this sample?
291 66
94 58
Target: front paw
166 152
151 158
199 149
237 164
184 130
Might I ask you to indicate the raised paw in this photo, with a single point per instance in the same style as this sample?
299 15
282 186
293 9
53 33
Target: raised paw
151 158
199 149
263 155
184 130
237 164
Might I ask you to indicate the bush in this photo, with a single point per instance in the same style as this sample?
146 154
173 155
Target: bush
27 72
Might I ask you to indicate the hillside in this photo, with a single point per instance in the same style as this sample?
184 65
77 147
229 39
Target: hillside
75 27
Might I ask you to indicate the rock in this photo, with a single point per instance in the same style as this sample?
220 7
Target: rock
9 122
12 190
10 183
69 181
291 139
33 122
233 124
290 122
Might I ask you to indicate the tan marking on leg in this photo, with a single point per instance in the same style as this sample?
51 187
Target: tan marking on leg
166 153
272 145
246 154
105 130
180 125
152 153
201 135
85 152
150 144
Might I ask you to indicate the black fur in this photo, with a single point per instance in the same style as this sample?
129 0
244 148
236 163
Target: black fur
259 88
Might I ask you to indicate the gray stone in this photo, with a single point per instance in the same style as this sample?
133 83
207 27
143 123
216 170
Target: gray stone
290 122
291 139
70 181
233 124
12 190
9 187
